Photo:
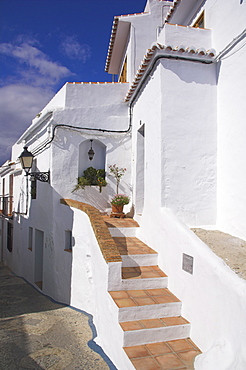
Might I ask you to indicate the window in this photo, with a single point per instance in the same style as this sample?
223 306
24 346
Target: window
123 76
10 236
30 238
33 188
34 181
68 241
200 22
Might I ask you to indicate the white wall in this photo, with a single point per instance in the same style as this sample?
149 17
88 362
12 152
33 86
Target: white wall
89 289
226 19
176 35
66 167
231 144
178 107
213 297
189 140
99 106
147 111
144 29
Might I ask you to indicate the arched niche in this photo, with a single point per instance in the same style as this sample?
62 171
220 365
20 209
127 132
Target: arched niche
98 160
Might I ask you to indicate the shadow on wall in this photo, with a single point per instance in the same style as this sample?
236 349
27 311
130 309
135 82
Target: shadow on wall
192 72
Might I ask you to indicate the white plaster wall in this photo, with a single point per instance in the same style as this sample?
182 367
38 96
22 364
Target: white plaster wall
91 106
95 96
100 105
39 216
57 101
89 289
231 144
147 111
178 107
66 166
144 30
189 140
213 297
226 19
176 35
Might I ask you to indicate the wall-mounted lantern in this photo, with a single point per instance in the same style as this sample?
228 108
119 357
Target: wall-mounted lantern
91 152
26 159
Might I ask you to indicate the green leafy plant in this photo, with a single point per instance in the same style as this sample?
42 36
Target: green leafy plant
91 177
120 200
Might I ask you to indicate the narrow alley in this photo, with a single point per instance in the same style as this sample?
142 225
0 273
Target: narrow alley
37 333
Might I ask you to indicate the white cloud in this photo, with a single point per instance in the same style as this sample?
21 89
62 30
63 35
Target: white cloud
74 50
38 62
26 90
19 104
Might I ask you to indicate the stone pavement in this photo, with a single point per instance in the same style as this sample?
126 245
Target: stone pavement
37 333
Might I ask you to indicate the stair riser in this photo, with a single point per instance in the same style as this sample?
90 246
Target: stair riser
155 335
139 260
138 284
149 311
123 232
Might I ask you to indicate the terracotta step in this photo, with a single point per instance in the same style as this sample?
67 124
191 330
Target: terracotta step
155 330
145 304
176 354
143 277
135 253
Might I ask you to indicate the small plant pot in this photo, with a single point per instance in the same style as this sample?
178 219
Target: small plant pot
117 209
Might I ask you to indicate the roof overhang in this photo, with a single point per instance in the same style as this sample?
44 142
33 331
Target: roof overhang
119 38
182 11
157 52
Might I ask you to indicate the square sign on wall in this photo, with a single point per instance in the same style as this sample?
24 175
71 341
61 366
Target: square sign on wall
187 263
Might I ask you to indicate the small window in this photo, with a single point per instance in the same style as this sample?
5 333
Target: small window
200 22
30 238
10 236
33 188
123 76
68 241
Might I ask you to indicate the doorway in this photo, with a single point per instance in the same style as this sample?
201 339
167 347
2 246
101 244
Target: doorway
140 170
38 263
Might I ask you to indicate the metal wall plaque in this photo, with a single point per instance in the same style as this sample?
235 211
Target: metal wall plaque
187 263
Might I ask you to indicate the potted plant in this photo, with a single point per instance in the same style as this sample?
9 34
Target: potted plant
118 202
91 177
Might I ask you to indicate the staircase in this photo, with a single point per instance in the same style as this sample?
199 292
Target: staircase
155 335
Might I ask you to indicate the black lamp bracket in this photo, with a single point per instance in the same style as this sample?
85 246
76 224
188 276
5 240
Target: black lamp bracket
40 176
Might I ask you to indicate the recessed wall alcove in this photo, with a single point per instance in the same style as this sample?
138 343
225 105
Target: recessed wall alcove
98 160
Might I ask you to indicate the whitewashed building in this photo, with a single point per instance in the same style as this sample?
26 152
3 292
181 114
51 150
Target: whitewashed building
176 121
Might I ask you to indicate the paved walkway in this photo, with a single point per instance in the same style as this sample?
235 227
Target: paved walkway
230 248
37 333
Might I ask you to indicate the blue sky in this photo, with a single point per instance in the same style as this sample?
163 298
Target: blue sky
44 44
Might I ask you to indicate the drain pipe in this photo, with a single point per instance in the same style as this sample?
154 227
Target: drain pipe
155 61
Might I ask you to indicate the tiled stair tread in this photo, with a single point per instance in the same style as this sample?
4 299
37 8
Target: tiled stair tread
120 222
132 245
131 298
153 323
175 354
142 272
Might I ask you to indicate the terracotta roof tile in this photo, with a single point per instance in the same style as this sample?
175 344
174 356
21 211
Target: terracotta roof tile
95 83
172 10
181 51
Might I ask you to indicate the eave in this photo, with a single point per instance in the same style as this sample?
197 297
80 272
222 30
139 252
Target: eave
119 37
118 41
158 51
182 11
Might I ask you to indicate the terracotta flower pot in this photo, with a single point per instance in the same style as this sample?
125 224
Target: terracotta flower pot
117 209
